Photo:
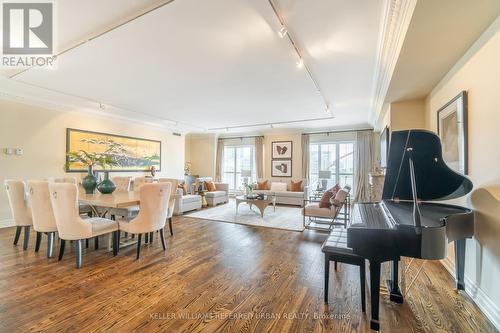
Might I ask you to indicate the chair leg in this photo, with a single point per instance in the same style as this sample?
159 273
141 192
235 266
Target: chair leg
126 234
162 237
96 243
87 243
139 238
115 242
61 248
170 226
327 277
133 236
26 237
146 238
335 265
79 250
50 244
38 241
18 234
362 289
151 237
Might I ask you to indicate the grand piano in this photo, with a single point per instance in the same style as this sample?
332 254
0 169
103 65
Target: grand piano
405 223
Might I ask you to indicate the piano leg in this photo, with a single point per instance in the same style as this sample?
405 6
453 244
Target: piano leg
460 263
395 294
374 293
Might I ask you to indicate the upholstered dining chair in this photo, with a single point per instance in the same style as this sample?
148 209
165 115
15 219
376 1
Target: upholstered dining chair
69 180
44 221
16 192
154 199
84 209
122 183
70 226
141 181
171 204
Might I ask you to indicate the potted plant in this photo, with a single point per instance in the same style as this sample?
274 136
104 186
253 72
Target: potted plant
89 182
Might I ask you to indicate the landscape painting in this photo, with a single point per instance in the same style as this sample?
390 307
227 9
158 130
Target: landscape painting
128 153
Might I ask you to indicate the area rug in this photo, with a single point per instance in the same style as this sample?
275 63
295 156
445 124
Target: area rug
285 217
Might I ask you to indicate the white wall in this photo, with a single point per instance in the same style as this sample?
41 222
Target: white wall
201 151
42 135
478 72
296 155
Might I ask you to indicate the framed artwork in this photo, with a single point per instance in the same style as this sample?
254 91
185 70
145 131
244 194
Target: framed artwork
281 149
130 154
452 130
281 168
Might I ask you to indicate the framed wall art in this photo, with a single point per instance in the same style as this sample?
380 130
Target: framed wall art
281 168
452 130
281 150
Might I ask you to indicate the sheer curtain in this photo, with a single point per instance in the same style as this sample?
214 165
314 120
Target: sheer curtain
305 156
363 165
259 156
218 160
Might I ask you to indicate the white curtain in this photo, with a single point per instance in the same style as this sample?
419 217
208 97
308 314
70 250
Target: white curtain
259 156
305 157
218 160
363 165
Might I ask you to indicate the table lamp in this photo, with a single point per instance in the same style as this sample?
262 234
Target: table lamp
323 177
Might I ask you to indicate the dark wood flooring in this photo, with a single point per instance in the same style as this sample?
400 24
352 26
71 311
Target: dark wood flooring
214 277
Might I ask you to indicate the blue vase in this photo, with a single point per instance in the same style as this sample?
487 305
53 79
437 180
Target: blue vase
89 182
106 186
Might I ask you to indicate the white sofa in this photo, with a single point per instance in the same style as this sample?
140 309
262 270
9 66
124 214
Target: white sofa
186 203
287 197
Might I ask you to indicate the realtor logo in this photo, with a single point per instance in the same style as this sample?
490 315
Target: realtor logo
27 28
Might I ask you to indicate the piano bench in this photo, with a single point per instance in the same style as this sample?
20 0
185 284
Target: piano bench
335 249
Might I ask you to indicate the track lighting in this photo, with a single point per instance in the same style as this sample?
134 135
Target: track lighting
300 63
102 106
283 31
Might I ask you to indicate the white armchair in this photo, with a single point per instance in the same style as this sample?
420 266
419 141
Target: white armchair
313 210
220 195
186 203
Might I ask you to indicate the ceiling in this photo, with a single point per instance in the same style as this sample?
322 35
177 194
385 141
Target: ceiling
212 64
439 34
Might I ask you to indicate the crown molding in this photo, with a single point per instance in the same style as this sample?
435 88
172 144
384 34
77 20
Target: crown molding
396 20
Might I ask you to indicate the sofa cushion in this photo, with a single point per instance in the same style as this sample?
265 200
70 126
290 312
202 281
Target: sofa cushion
210 186
325 199
289 194
296 186
263 185
191 198
278 187
313 209
215 194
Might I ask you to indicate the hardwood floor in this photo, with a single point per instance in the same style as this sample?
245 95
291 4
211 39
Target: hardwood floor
214 277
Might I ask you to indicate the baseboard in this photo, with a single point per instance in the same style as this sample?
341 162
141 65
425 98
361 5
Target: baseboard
5 223
482 300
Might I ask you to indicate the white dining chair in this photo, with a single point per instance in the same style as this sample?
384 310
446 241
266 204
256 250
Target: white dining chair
122 183
44 221
141 181
69 180
171 204
16 193
70 226
154 199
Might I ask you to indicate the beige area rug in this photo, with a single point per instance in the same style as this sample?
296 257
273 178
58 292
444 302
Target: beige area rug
285 217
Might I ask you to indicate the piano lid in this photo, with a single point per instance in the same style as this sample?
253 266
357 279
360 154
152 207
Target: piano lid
434 179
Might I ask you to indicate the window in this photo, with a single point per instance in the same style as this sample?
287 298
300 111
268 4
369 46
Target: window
337 157
235 159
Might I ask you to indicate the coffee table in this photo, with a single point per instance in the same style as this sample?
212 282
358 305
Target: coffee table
261 204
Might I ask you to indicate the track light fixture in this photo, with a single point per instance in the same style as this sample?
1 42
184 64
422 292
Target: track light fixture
300 63
283 31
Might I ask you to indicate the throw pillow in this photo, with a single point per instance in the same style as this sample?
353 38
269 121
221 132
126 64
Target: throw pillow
210 186
325 199
296 186
278 187
183 187
261 185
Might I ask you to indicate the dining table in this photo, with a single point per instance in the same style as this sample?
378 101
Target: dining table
101 204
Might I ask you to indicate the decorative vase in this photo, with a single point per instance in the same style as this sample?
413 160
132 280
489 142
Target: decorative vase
89 182
106 186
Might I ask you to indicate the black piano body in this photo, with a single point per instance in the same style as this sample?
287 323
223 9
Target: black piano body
406 223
